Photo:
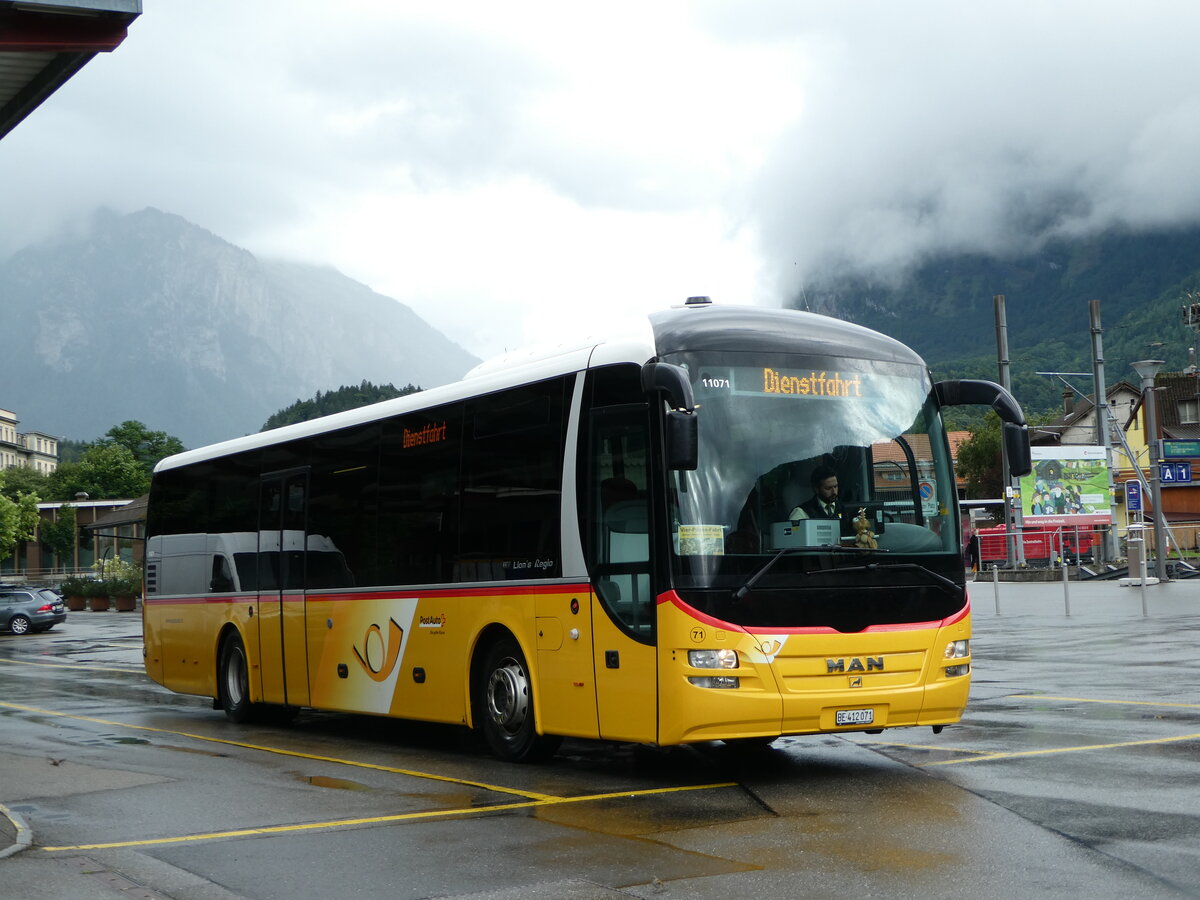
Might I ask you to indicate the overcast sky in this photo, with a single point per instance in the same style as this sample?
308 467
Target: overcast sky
510 170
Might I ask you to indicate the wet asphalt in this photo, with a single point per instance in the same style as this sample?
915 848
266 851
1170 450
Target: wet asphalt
1075 772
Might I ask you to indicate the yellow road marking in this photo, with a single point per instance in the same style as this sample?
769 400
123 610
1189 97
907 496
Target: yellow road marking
398 817
1021 753
1089 700
83 667
937 747
282 752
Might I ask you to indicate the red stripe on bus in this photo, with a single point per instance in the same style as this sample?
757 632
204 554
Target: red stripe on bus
524 590
673 598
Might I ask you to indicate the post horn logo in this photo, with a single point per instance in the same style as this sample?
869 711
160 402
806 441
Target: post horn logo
379 657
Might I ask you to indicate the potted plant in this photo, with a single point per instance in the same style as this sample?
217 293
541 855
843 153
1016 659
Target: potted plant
74 591
97 595
124 586
122 581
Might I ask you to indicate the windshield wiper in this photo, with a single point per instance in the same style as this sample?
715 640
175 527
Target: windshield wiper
744 591
945 583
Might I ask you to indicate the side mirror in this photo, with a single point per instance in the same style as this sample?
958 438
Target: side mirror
681 426
682 439
670 380
1016 445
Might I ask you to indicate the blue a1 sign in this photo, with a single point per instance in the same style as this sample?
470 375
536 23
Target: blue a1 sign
1133 496
1175 473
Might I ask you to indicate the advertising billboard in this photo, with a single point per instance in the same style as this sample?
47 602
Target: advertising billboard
1068 486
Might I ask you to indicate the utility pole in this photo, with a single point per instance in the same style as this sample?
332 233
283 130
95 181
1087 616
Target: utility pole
1147 369
1012 513
1103 435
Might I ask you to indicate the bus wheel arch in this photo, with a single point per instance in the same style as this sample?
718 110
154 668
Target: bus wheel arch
233 677
502 700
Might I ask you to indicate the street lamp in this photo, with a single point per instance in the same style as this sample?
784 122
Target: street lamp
1147 369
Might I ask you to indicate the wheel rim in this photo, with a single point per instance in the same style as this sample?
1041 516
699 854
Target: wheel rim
508 696
19 625
235 677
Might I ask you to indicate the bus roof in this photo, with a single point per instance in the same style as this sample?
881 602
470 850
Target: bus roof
694 326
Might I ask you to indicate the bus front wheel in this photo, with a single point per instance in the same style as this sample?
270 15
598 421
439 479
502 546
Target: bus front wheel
233 680
505 706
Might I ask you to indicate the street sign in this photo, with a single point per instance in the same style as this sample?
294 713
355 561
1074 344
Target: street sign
1133 496
1180 449
928 492
1175 473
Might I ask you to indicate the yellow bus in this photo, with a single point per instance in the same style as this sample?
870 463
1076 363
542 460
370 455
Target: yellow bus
608 540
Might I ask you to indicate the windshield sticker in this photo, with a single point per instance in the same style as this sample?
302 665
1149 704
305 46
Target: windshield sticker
701 540
815 384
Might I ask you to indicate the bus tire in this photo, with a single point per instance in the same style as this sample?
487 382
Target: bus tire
233 680
504 703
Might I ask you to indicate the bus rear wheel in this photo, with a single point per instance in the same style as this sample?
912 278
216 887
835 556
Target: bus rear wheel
504 704
233 681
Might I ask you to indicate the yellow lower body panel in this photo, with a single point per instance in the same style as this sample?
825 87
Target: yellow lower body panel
803 683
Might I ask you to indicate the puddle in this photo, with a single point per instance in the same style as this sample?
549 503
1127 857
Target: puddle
194 750
325 781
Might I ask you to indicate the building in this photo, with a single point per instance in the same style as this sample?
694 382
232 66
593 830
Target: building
33 449
104 529
1178 408
891 465
1178 414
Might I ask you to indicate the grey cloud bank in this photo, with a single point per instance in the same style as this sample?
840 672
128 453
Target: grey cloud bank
508 171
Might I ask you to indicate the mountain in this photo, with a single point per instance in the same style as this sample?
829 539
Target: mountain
147 316
943 308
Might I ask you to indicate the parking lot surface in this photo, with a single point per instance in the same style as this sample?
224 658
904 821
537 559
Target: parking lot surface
1076 771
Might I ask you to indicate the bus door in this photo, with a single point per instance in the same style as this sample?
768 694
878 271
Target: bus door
283 500
619 554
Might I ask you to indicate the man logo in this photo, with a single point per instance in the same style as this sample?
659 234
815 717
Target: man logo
378 658
872 664
856 681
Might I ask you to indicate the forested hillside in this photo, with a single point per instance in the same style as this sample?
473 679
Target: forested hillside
340 400
945 309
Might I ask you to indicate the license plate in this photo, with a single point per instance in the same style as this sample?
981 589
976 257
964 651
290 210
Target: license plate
57 607
854 717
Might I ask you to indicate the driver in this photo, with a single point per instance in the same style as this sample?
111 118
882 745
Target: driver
824 502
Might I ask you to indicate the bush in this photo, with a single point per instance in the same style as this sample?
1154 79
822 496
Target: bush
119 577
75 586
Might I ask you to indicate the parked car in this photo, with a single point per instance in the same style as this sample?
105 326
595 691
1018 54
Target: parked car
26 609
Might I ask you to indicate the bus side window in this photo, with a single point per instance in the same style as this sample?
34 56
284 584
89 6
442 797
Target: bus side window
222 575
618 517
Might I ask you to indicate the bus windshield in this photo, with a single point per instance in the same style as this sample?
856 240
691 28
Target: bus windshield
814 464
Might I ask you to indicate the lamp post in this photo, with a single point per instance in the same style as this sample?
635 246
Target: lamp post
1147 369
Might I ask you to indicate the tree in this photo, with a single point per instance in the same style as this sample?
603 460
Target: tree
105 472
59 535
24 480
18 522
147 446
344 398
979 461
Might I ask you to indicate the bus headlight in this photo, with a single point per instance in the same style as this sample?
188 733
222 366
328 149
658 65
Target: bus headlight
714 659
958 650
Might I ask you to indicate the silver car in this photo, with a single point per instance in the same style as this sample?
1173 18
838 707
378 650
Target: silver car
27 609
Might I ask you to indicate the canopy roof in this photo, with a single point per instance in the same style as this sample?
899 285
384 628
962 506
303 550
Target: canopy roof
42 44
